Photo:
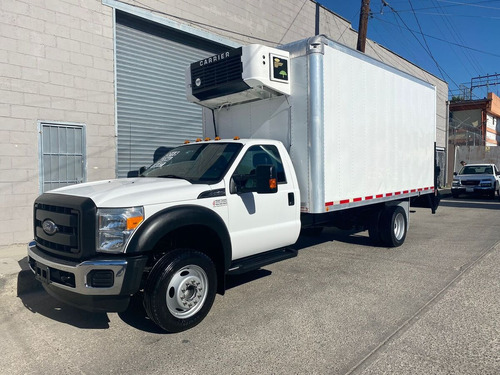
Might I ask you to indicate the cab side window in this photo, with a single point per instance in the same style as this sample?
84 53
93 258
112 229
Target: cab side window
258 155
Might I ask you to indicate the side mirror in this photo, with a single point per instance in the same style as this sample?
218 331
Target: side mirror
455 173
264 181
267 179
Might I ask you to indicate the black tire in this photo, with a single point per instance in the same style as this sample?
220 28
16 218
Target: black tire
180 290
393 226
311 231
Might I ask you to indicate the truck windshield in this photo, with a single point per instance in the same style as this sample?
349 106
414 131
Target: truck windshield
196 163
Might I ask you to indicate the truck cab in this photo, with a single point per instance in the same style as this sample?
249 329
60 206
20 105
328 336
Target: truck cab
204 210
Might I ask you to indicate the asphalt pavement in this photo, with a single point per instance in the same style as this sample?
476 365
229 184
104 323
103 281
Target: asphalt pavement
457 331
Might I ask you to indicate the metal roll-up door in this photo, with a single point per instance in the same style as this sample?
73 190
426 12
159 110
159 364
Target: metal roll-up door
152 110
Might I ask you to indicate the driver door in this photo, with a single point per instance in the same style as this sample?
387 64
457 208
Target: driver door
261 222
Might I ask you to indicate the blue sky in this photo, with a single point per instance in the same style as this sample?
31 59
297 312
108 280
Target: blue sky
455 40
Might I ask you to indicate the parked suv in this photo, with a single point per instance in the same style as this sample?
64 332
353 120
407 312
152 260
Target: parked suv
476 179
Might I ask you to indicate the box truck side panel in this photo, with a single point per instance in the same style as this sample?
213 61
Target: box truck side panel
379 130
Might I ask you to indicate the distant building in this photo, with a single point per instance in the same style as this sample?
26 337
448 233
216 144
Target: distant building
475 122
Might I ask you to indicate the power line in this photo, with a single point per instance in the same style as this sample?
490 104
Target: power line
425 41
459 39
455 4
440 39
419 42
146 7
293 21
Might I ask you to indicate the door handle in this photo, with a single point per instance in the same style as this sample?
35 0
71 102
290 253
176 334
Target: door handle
291 199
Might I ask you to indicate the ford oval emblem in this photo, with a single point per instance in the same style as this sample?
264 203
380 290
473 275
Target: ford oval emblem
49 227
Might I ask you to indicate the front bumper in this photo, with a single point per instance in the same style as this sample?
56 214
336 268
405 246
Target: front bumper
99 285
472 190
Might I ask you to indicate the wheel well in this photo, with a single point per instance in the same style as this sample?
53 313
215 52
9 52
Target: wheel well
197 237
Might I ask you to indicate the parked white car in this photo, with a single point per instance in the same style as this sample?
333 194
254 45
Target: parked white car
481 179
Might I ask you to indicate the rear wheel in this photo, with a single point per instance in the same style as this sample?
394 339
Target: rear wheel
180 290
393 225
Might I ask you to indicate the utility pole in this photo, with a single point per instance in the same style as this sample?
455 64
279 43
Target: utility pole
363 24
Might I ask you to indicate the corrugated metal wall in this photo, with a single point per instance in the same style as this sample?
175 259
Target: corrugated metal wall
152 109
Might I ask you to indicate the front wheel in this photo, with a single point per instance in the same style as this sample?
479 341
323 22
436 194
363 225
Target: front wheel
393 225
180 290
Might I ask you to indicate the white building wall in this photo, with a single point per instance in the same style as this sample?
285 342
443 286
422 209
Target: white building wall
57 64
492 133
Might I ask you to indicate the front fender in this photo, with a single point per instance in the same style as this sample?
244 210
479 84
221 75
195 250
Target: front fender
172 218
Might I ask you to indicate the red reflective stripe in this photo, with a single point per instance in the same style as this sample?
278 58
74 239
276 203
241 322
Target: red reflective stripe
357 199
405 191
397 193
413 190
368 197
426 188
329 204
379 196
344 201
388 195
420 189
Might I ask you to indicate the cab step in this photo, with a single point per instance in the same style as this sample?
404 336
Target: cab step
255 262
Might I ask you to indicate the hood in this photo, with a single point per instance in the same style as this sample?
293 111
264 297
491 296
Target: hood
129 192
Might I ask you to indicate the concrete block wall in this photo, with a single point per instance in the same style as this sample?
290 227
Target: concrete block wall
56 64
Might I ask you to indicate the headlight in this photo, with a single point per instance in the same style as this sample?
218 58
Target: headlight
456 183
115 226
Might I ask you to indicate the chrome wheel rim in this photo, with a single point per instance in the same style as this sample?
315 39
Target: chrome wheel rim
399 226
187 291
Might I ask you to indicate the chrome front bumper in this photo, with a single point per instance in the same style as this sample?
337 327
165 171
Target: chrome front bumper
42 266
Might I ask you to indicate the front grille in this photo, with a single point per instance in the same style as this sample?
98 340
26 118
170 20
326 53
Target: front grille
470 182
64 226
65 239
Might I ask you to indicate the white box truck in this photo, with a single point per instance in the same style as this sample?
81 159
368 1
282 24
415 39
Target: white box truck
304 136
